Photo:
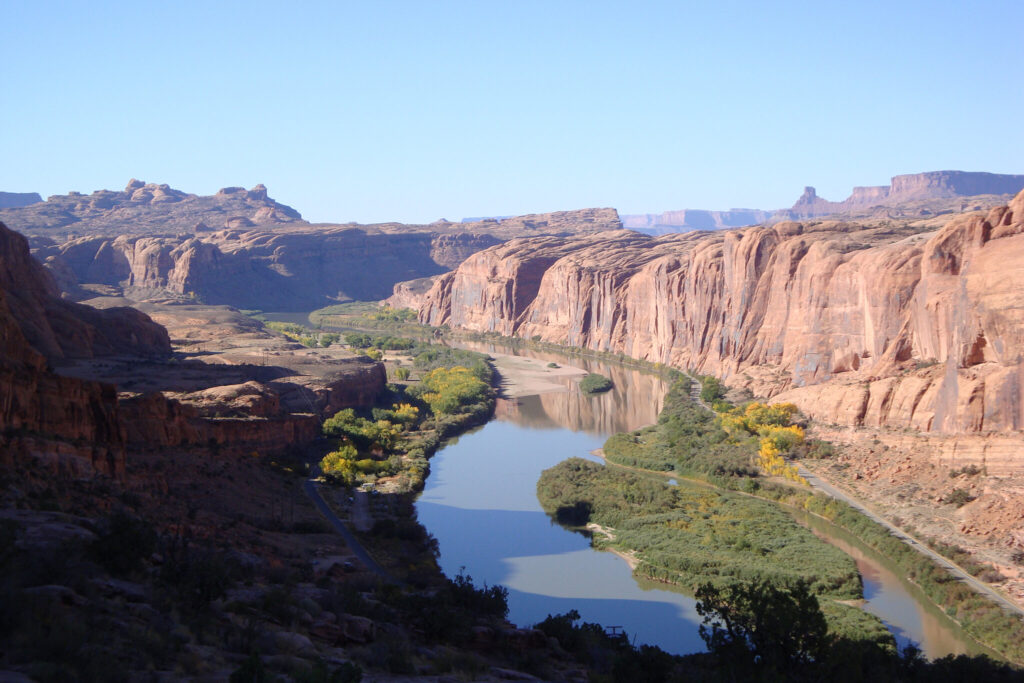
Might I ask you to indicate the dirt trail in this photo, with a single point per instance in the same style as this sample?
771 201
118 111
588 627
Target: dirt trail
310 487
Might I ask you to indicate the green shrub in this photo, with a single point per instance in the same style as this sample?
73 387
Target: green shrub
595 383
711 389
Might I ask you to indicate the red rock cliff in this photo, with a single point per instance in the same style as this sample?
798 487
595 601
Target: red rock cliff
70 425
862 326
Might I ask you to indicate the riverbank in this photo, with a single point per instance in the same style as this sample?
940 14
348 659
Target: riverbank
521 376
985 621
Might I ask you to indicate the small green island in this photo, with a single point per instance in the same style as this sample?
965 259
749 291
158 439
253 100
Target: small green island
594 383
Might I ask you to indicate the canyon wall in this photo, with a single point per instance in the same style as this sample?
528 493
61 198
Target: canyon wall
71 425
694 219
867 326
241 248
286 271
906 188
13 200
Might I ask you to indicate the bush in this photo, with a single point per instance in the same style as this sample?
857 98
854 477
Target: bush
958 497
711 389
451 390
594 383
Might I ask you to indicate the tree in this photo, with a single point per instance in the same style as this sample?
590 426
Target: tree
759 625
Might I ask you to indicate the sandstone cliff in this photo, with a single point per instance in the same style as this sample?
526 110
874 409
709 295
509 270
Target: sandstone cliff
880 326
70 425
11 200
143 208
694 219
294 269
907 188
61 329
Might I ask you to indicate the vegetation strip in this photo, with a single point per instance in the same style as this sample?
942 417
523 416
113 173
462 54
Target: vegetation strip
690 442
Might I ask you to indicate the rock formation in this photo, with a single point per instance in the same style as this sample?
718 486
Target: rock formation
875 326
69 424
693 219
154 241
906 188
257 269
918 189
12 200
146 208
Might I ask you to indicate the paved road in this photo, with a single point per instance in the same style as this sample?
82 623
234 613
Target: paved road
310 487
818 483
830 490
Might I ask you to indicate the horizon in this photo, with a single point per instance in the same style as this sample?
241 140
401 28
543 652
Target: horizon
270 194
409 112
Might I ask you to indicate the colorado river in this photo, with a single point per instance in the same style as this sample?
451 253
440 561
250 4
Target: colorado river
480 503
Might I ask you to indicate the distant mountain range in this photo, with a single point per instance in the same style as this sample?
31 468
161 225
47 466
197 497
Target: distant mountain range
903 190
13 200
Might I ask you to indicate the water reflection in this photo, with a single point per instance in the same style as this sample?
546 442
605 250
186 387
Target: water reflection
634 401
480 503
911 618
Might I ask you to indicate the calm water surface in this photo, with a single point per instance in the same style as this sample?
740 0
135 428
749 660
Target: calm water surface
480 502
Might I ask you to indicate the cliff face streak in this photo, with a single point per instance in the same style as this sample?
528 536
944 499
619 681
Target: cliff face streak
877 327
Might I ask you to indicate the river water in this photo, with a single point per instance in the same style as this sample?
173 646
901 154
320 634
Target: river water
480 503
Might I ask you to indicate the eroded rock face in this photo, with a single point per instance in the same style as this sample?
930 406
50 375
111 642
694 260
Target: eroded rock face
145 208
881 326
70 425
908 188
285 270
13 200
60 329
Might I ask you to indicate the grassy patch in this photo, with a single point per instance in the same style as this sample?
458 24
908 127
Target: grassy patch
595 384
688 534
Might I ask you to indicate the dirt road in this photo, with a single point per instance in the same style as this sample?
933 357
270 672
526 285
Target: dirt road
310 487
825 487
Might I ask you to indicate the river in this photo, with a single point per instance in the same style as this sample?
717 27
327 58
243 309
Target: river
480 503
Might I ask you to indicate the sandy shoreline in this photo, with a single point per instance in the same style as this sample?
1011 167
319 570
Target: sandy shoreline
521 376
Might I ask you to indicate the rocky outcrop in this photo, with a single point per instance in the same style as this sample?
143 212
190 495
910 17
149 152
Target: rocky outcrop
903 191
292 270
555 223
60 329
857 325
907 188
694 219
69 425
154 422
269 271
13 200
146 208
411 293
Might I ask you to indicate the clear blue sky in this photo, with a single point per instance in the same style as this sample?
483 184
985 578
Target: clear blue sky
414 111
